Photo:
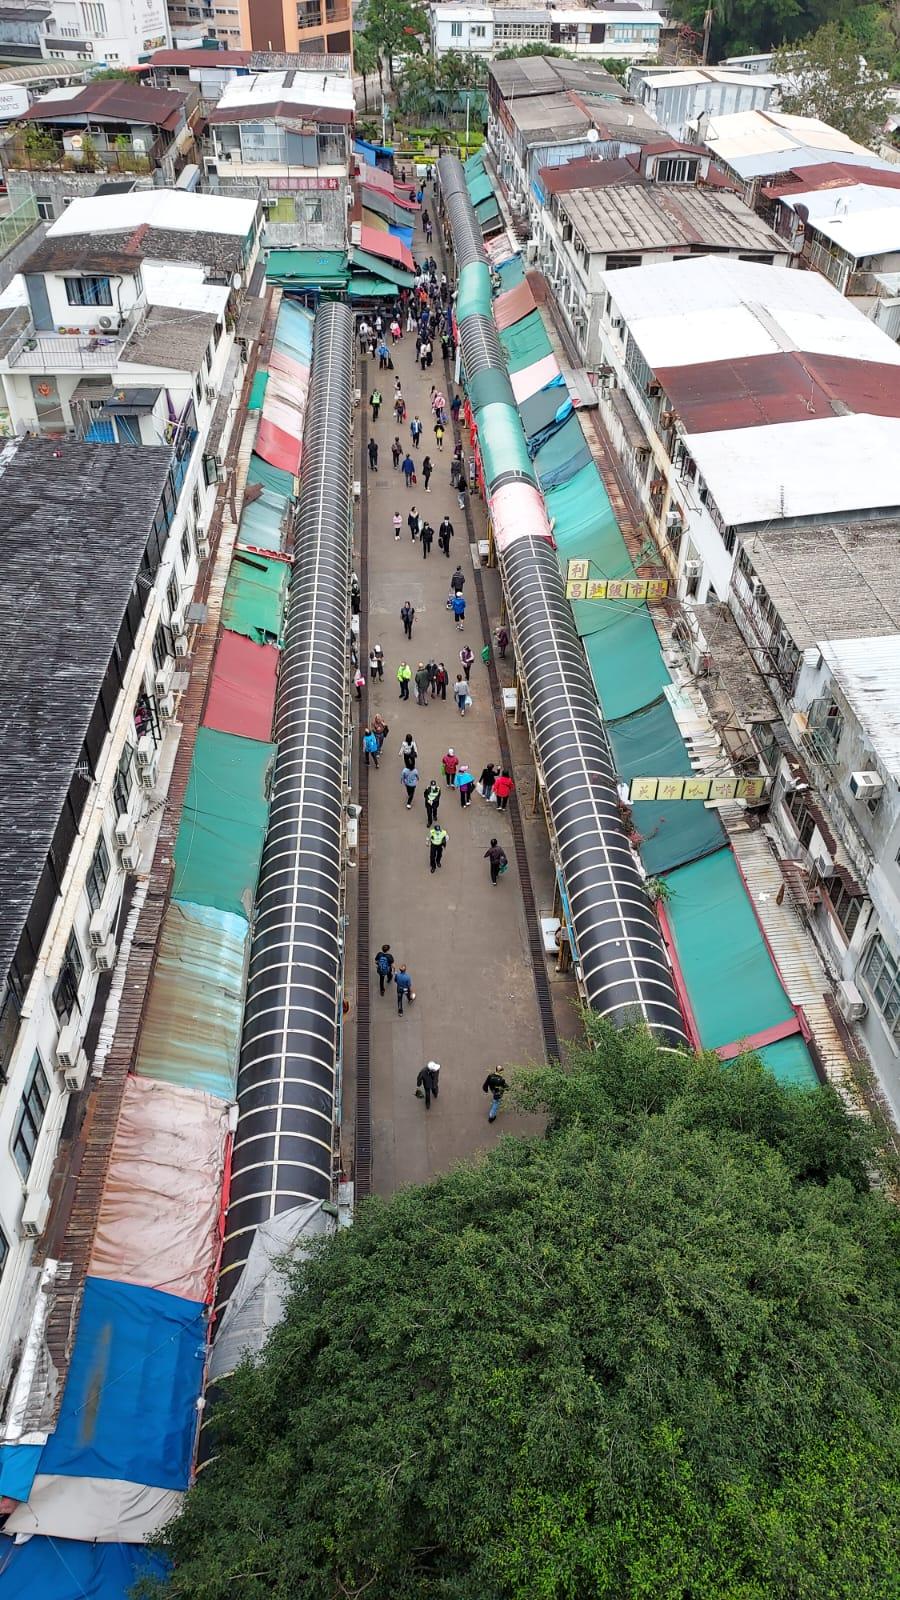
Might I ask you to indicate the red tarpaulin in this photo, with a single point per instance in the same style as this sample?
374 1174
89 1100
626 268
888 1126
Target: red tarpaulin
386 246
277 447
513 305
241 696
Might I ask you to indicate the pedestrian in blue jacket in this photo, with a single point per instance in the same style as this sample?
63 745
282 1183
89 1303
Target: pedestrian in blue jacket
403 986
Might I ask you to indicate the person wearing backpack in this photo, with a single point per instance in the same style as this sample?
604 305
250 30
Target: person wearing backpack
496 855
384 966
408 751
370 748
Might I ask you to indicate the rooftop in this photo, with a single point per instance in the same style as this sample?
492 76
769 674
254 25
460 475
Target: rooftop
111 100
652 217
74 526
326 97
860 218
169 336
687 77
831 579
833 175
757 143
529 75
867 671
170 210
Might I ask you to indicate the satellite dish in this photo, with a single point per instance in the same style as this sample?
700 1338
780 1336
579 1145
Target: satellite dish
593 136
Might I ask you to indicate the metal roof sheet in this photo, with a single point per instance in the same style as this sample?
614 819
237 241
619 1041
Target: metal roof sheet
831 580
191 1033
789 387
241 696
862 219
111 100
867 671
647 216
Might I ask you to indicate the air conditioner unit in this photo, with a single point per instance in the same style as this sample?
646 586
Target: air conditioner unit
823 863
181 644
615 322
851 1004
531 251
203 549
68 1046
105 957
98 928
166 704
147 776
209 395
145 752
164 677
124 830
693 569
35 1212
131 856
755 584
108 324
76 1077
866 785
700 661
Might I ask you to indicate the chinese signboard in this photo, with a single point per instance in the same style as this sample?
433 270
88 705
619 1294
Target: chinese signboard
278 184
715 789
581 587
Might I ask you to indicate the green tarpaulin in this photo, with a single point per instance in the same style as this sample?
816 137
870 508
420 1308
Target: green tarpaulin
562 456
258 391
585 529
539 410
624 657
317 269
274 478
480 188
487 210
525 342
223 823
789 1061
473 294
254 597
263 521
373 266
366 287
191 1033
649 745
502 443
733 987
490 388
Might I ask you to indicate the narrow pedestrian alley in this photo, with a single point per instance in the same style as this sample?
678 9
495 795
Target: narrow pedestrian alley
464 941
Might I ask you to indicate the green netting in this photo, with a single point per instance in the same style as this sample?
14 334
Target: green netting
562 456
223 823
502 443
258 391
473 296
480 188
624 657
512 272
789 1061
525 342
262 521
254 597
649 745
274 478
490 388
733 987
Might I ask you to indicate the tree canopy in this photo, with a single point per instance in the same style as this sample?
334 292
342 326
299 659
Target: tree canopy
741 27
828 79
652 1355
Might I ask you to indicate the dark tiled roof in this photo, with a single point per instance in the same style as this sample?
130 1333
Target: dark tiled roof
220 253
80 253
114 100
74 524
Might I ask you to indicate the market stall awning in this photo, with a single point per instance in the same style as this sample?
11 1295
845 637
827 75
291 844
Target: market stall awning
386 248
241 697
373 265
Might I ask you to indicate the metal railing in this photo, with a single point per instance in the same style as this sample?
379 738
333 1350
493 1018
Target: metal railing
51 352
19 222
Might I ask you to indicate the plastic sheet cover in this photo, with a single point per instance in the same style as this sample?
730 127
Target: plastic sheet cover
254 598
284 363
511 272
158 1221
789 1061
585 529
18 1465
293 331
480 188
192 1027
528 380
223 823
108 1509
625 659
542 409
277 447
270 477
517 512
473 294
513 304
649 745
241 696
129 1404
563 454
501 444
525 344
263 520
257 1303
43 1569
733 986
258 390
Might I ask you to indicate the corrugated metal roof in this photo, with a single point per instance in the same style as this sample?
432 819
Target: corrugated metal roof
790 387
867 671
861 219
831 580
111 100
192 1029
649 216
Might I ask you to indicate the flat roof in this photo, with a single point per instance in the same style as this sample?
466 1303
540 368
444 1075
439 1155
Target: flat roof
74 524
867 671
687 77
862 219
111 100
326 97
643 216
173 210
831 579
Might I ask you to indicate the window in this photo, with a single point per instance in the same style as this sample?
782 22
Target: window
31 1115
614 262
172 595
65 992
88 291
44 207
677 169
805 822
4 1251
195 501
882 974
479 31
94 16
10 1013
456 30
161 647
98 873
846 906
122 781
187 548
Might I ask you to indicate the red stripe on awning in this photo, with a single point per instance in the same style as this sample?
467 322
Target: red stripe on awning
277 447
241 697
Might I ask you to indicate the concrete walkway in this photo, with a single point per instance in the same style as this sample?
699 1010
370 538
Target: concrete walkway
463 940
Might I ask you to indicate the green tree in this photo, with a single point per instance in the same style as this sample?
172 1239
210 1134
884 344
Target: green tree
112 72
396 28
366 60
652 1355
828 79
741 27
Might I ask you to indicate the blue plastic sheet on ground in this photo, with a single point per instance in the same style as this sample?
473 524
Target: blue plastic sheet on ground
649 745
18 1465
69 1569
129 1404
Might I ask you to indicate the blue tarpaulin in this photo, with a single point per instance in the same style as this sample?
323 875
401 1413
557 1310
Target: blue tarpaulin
129 1404
405 235
18 1465
67 1569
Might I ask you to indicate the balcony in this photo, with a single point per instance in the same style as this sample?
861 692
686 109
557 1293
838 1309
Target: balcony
43 152
34 351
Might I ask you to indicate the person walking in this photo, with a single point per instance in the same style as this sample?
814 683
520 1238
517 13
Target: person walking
466 657
496 855
450 764
384 966
461 694
423 684
441 680
375 403
403 986
427 1083
359 683
458 607
380 730
445 534
465 783
427 470
437 839
432 799
415 429
455 409
503 788
409 471
397 521
376 662
396 453
409 778
496 1086
404 673
427 537
408 751
439 435
407 617
502 642
487 780
370 748
414 523
373 455
458 581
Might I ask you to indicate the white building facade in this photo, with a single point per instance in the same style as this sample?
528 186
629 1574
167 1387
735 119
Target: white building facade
113 33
